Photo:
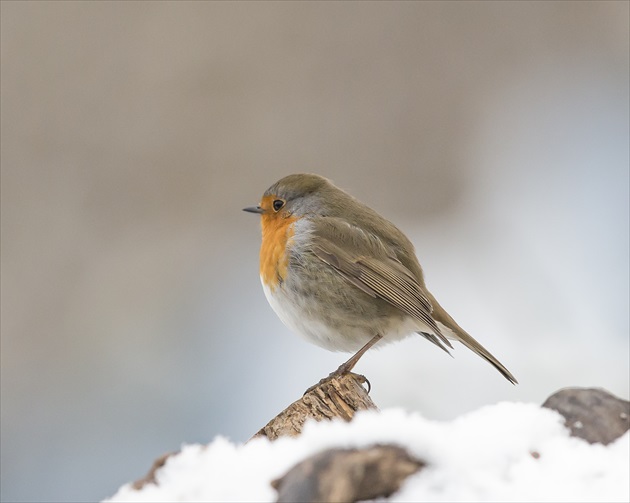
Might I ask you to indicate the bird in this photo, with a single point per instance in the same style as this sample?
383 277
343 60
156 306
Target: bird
345 278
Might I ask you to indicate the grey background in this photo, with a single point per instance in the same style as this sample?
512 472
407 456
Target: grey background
494 134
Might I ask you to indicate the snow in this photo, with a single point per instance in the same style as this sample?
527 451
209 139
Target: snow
503 452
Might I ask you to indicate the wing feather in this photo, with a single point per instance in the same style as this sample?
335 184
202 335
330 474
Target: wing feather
380 275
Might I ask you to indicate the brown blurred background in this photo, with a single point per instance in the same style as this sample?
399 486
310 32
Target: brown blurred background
495 134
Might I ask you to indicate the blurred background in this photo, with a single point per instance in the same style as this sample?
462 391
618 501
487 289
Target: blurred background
494 134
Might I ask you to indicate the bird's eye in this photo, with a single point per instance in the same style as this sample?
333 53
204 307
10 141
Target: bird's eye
277 204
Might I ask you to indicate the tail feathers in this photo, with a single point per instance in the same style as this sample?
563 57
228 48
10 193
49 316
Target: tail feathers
473 345
450 327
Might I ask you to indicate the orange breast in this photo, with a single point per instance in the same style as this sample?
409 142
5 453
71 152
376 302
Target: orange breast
274 258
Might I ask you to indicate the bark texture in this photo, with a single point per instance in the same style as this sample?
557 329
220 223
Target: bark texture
340 397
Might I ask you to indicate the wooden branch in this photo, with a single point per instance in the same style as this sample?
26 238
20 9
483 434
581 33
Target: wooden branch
340 397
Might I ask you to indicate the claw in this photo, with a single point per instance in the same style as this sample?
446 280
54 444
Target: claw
338 373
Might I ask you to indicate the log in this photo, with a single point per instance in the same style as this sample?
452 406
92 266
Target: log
340 397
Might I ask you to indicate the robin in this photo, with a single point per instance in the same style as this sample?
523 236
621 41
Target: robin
344 277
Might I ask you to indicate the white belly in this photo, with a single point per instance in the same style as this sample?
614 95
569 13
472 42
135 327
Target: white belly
302 320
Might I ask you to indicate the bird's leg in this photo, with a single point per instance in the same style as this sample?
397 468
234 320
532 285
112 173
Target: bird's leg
347 366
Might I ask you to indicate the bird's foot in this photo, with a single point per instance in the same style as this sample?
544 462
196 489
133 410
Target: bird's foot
344 368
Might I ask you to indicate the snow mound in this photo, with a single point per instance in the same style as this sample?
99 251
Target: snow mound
503 452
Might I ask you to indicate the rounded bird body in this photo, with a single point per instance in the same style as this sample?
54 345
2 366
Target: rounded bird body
344 277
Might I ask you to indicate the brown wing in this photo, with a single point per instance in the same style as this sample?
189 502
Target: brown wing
367 263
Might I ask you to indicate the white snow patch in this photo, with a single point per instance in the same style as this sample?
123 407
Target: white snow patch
503 452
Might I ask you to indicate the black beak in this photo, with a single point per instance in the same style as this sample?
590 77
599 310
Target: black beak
254 209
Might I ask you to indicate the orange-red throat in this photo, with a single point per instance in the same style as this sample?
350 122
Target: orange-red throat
277 233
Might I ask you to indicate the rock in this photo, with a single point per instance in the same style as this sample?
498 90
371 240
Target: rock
347 475
592 414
